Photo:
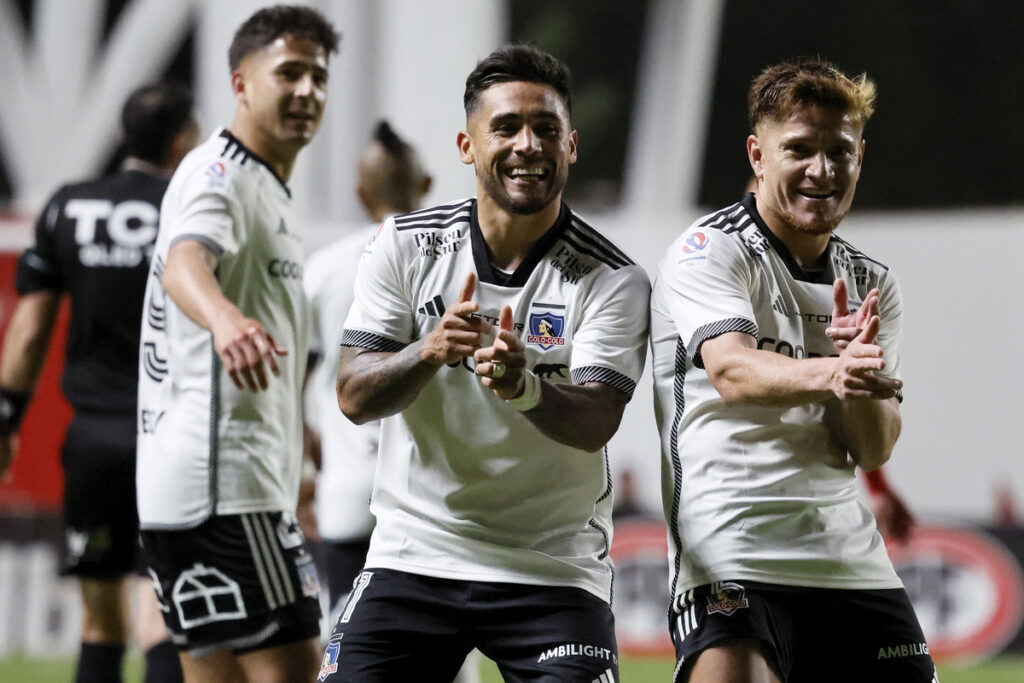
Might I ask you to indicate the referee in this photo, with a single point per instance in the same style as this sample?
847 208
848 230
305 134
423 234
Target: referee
93 241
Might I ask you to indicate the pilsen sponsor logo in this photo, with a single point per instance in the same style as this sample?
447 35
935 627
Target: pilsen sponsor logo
437 244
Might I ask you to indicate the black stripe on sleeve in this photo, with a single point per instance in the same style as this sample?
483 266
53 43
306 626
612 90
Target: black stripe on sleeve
370 341
716 329
593 373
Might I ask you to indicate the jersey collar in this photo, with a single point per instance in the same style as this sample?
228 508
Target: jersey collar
484 270
247 153
824 276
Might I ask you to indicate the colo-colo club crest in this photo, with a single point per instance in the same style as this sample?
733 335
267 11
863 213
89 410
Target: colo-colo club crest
545 330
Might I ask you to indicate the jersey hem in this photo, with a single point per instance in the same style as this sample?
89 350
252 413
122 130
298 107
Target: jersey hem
817 581
438 573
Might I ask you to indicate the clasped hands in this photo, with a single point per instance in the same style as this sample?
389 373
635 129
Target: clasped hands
856 374
460 334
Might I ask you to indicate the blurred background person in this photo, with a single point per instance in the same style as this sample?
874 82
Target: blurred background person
391 181
93 241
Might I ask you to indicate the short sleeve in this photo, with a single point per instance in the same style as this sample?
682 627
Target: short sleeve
890 333
610 343
704 286
381 317
39 265
210 211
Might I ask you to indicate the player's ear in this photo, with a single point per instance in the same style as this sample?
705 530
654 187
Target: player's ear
465 144
238 85
754 155
574 140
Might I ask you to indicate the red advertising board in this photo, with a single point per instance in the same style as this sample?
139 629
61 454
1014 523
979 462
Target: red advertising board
36 481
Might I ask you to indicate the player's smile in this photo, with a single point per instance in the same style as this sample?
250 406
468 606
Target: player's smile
521 143
808 166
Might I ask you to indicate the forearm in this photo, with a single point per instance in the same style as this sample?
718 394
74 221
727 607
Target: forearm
582 416
867 428
747 376
27 341
189 279
372 384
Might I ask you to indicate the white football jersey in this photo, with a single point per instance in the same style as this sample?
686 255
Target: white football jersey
204 446
348 452
750 492
466 487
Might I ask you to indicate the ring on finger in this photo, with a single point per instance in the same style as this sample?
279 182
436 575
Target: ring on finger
497 369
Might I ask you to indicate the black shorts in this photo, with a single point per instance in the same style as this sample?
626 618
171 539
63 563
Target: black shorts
398 626
237 582
812 634
342 563
101 519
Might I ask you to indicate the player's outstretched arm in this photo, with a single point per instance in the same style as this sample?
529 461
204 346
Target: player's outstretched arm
245 349
582 416
376 384
24 351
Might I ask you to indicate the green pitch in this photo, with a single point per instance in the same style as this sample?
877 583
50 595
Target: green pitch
634 670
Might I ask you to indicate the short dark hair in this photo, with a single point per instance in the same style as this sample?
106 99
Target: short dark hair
270 23
396 177
151 118
781 88
517 62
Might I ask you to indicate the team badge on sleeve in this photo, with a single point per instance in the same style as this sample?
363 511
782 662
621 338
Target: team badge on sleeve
696 247
216 174
546 330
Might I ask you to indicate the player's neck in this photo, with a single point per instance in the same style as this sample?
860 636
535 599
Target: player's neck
280 157
509 236
806 247
143 166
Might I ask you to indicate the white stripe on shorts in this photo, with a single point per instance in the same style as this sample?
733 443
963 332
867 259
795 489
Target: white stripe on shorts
275 550
250 535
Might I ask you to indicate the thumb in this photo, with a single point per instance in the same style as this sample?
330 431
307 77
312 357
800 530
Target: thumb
505 318
468 288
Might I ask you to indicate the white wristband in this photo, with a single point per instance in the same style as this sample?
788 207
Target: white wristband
531 393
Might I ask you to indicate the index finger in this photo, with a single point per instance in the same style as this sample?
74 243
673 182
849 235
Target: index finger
505 318
268 349
468 288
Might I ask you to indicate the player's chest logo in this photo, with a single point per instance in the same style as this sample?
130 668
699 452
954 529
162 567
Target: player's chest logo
545 329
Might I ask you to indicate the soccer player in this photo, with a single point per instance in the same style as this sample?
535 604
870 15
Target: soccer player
892 515
223 358
391 180
492 493
93 241
776 368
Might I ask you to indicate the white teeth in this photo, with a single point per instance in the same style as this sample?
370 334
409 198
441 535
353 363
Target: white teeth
526 171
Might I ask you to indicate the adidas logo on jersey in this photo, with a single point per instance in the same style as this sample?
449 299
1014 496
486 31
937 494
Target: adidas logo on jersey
433 308
779 306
